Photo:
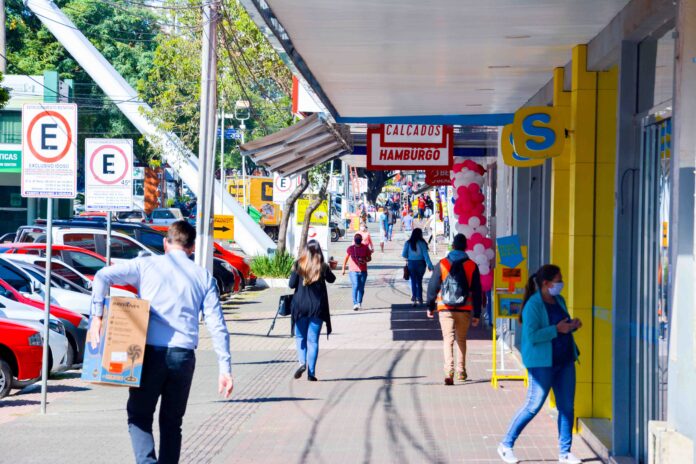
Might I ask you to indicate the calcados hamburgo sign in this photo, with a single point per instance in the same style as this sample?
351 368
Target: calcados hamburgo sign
409 146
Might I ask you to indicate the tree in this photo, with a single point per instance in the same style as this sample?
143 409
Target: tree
376 180
312 207
4 94
287 212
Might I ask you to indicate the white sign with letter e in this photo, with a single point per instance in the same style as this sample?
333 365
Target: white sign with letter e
108 175
284 186
49 150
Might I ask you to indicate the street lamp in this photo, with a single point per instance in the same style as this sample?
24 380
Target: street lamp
223 180
242 111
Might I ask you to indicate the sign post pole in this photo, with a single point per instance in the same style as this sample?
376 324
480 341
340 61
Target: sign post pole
47 303
108 238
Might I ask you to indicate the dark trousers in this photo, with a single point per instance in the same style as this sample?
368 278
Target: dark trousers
167 373
416 268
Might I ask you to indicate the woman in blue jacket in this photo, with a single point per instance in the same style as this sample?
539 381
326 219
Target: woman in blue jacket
549 354
416 255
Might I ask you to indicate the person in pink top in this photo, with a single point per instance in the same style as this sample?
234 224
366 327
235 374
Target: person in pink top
357 257
366 238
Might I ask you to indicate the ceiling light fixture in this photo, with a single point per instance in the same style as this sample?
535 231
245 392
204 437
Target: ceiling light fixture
485 90
523 36
502 66
473 104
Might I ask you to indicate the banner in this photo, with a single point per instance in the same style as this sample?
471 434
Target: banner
409 146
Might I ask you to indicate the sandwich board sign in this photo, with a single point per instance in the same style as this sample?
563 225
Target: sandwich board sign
108 175
49 150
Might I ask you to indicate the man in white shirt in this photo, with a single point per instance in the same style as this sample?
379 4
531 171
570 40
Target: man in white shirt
178 290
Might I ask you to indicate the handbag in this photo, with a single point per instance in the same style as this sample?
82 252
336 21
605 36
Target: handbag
407 274
284 305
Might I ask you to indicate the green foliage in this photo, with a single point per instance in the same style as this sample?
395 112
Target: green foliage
279 265
4 94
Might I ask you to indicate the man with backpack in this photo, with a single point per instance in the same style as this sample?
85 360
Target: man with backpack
455 292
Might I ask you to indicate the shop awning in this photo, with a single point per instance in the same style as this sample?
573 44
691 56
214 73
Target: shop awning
297 148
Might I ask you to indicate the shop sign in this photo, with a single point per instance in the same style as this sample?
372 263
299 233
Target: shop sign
409 146
10 157
108 175
438 177
537 133
49 150
320 216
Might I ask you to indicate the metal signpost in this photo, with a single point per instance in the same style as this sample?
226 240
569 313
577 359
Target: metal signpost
49 170
108 179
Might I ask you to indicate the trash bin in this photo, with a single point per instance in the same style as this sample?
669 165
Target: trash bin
254 213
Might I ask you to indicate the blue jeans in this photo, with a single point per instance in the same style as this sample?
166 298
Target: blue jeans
390 231
416 268
357 280
167 373
541 381
307 331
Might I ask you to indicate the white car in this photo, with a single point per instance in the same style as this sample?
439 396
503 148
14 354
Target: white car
165 216
65 271
57 341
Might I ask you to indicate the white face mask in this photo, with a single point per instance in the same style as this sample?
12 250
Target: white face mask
556 288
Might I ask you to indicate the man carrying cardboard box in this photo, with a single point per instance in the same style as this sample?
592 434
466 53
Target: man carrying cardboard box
178 290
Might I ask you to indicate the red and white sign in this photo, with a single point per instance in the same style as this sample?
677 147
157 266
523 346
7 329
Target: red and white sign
409 146
284 186
438 177
108 175
49 150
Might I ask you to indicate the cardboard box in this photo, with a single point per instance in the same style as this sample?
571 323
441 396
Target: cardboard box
118 360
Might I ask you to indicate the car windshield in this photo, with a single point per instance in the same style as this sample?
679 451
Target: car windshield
152 240
56 281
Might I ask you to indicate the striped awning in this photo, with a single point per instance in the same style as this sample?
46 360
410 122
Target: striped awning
297 148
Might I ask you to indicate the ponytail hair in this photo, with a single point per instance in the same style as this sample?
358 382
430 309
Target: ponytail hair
547 272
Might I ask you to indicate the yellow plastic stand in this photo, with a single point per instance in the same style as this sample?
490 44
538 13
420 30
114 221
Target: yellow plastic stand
505 306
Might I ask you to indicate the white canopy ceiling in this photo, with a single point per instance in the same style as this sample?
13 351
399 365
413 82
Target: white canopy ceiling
377 58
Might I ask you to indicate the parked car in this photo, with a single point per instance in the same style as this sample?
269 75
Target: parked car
21 352
132 216
337 231
75 324
165 216
57 341
83 261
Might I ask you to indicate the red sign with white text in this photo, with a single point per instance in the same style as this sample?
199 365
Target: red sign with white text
438 177
409 146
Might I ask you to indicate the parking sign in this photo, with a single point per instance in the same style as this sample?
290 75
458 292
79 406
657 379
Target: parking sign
108 175
49 150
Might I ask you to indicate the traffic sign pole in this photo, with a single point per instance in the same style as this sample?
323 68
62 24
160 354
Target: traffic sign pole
108 238
47 304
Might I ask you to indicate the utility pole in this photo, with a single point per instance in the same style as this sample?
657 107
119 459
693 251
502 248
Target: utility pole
206 147
3 48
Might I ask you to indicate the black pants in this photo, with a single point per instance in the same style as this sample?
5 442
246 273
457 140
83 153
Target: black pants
167 372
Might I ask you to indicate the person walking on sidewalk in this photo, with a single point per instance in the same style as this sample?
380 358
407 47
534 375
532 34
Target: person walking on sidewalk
366 238
392 220
415 253
383 228
178 291
310 306
357 257
407 223
549 354
455 291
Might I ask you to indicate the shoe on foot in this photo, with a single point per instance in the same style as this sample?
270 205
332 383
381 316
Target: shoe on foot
359 305
300 370
449 378
311 378
507 455
356 307
413 304
461 376
569 458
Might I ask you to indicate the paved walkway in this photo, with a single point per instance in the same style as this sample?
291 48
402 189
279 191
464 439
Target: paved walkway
380 397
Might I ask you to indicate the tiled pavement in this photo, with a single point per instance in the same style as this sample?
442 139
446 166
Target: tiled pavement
380 397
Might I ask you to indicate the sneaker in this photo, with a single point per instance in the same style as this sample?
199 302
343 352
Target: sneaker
449 380
507 455
413 304
300 370
356 307
461 376
311 378
359 305
569 458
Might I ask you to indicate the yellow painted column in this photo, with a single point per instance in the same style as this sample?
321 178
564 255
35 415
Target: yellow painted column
605 175
560 181
579 273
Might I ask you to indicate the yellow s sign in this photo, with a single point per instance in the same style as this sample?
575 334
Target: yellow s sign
510 157
538 132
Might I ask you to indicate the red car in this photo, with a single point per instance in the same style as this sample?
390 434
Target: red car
85 261
75 324
20 354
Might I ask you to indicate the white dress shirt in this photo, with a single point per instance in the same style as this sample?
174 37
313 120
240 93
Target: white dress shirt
178 290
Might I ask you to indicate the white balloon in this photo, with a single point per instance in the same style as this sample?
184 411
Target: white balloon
484 269
479 182
474 222
481 260
490 254
479 249
460 227
483 230
459 183
459 159
468 231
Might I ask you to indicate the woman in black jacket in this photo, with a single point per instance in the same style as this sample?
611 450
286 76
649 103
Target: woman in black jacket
310 305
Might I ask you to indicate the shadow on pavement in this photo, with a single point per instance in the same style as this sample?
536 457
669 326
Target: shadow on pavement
374 377
273 399
273 361
11 403
410 323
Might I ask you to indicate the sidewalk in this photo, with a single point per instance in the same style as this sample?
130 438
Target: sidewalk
380 397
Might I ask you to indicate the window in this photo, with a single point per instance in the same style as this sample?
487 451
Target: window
14 278
152 240
84 263
162 214
84 240
131 215
124 249
65 272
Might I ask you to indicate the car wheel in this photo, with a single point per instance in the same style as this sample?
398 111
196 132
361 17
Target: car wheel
5 379
220 286
70 354
334 235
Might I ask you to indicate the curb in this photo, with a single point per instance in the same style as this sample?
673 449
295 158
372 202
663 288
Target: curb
271 283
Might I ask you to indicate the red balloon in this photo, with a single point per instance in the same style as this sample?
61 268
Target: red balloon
487 282
487 243
475 239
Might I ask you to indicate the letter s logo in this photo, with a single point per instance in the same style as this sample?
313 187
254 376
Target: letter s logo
538 132
511 158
